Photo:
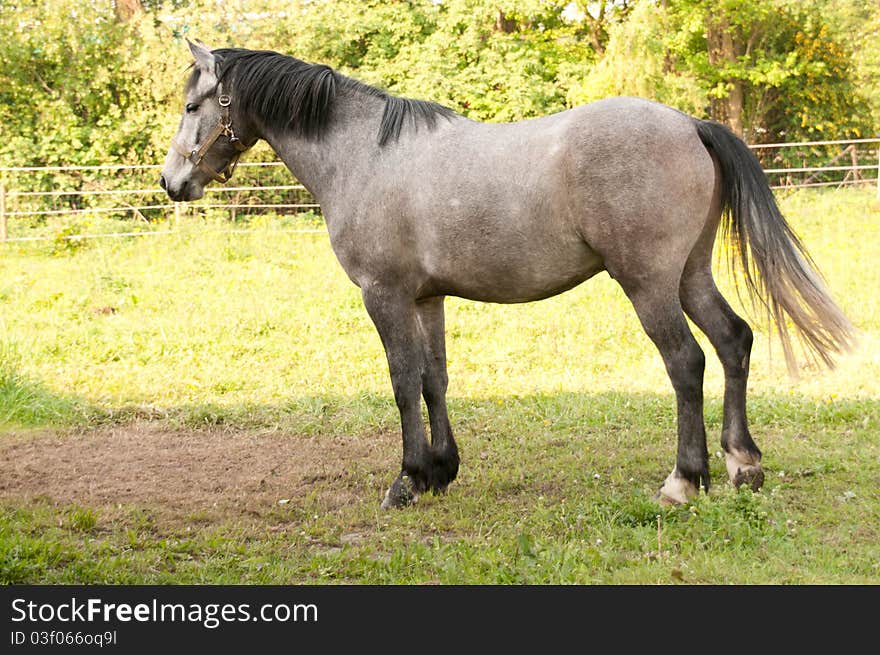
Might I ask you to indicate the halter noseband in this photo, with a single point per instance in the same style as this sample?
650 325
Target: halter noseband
196 156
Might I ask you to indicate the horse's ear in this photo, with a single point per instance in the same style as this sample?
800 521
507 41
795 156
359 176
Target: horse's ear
205 60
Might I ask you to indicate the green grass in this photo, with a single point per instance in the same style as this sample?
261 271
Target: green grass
562 409
24 401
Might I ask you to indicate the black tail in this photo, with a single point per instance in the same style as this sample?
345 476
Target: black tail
778 270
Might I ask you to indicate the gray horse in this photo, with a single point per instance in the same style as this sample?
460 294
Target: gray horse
422 203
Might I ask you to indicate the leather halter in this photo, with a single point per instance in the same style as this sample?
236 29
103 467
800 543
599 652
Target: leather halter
196 156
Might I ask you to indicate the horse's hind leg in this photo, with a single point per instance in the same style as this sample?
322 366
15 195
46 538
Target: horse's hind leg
444 451
395 317
658 307
732 339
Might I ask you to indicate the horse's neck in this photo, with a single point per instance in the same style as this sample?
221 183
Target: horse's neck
327 162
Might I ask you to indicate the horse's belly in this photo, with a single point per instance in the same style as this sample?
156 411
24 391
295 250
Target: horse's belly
522 276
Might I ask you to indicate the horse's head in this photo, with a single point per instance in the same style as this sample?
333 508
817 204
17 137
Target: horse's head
211 136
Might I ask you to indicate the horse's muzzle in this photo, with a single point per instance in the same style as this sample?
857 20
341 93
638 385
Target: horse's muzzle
186 192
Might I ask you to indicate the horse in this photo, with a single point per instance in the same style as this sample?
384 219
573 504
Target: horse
422 203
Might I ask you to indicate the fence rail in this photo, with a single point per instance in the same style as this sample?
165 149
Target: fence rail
24 196
820 165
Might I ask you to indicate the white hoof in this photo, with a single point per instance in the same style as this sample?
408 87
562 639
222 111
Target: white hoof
676 490
744 468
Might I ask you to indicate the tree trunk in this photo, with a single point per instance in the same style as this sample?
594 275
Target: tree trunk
735 97
597 26
723 51
504 24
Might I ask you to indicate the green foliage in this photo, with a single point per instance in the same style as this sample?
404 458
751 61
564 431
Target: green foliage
489 73
639 61
799 82
72 85
488 60
80 86
66 241
858 24
798 78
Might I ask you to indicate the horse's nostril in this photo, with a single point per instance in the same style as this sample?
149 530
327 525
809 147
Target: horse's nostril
162 182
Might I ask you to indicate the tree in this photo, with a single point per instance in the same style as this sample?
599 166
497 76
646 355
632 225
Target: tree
772 70
856 24
491 60
100 82
639 60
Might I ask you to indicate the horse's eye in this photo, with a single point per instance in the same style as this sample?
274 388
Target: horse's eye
191 107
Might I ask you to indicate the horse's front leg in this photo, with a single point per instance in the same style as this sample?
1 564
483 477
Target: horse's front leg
444 451
395 317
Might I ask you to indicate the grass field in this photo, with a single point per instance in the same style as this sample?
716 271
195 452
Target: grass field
214 407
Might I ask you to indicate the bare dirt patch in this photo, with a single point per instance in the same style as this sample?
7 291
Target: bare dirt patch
204 473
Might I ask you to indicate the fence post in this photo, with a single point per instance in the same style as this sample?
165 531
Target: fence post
878 171
2 212
854 157
176 215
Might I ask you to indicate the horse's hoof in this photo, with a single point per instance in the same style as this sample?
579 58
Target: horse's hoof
675 490
743 468
400 494
444 468
753 476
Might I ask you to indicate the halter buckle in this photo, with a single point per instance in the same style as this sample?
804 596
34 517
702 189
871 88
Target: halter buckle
224 126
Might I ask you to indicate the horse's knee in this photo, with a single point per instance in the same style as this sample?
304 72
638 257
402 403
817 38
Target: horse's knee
695 360
434 386
406 389
686 369
743 335
735 352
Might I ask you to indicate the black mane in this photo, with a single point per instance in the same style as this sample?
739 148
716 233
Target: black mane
291 94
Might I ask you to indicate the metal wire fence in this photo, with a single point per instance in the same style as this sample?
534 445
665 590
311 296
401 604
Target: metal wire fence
833 163
46 202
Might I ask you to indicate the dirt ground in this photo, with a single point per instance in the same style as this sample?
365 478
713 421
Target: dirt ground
204 473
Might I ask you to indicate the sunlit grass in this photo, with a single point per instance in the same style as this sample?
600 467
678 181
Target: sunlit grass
265 317
261 329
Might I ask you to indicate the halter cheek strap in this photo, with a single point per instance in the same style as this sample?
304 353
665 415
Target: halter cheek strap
196 156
